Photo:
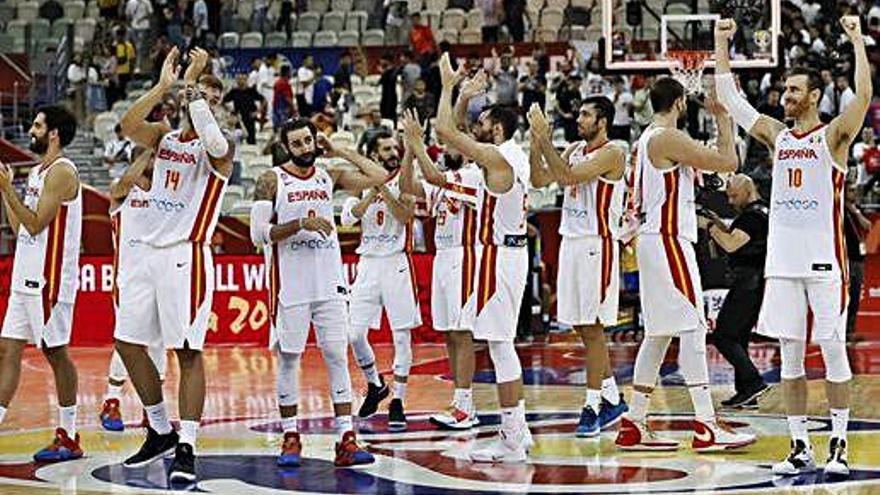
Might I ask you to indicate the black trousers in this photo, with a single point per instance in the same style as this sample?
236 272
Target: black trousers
737 317
250 128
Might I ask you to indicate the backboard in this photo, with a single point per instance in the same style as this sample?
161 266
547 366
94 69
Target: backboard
638 34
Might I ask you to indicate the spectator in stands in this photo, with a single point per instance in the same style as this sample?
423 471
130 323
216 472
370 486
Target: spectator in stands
856 227
109 9
282 98
342 77
305 87
421 101
321 89
285 19
388 82
772 106
76 85
568 98
421 38
218 64
843 94
826 104
266 78
643 112
107 69
117 153
172 27
506 88
410 73
493 15
138 13
246 103
867 156
374 128
623 102
513 19
258 19
51 10
125 59
395 21
233 123
96 97
227 14
157 55
200 20
533 87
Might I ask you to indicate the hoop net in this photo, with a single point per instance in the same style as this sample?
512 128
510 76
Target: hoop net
687 68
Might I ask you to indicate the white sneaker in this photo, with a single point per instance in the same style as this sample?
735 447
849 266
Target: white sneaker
799 460
454 418
502 450
836 463
716 436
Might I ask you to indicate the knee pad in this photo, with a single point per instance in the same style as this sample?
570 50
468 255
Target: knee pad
692 357
505 360
792 358
288 379
648 360
336 358
836 361
402 351
118 372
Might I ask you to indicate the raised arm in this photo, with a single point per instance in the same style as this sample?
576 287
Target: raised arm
403 207
219 148
846 126
469 89
367 173
135 175
413 134
677 147
263 231
540 175
134 123
62 184
762 127
360 209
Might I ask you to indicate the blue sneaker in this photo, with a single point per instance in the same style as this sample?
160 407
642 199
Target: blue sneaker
62 448
588 426
111 417
291 450
609 414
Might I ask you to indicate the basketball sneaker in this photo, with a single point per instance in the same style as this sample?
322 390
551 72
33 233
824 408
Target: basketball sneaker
717 435
111 416
610 414
291 449
183 469
588 425
155 446
62 448
799 460
836 464
637 436
349 453
504 449
375 395
454 418
396 416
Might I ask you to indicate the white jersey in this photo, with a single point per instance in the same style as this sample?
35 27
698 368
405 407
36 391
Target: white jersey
503 216
454 207
48 263
806 237
381 233
129 228
185 195
666 197
592 208
305 267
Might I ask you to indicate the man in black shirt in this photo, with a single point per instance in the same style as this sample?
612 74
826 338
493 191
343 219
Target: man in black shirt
246 102
745 241
856 228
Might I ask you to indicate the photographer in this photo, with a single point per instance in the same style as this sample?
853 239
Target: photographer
745 241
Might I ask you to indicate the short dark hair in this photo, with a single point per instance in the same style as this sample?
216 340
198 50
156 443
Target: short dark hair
506 116
604 109
60 119
297 123
373 144
285 71
664 93
814 77
211 81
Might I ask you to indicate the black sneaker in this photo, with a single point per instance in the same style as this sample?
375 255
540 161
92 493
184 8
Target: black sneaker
375 395
396 416
155 446
183 469
737 397
743 399
751 405
837 464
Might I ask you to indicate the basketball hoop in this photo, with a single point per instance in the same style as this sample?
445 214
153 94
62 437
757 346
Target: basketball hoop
687 68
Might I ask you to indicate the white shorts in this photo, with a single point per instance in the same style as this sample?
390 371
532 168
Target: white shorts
389 282
290 329
670 289
788 300
169 299
27 319
453 284
501 282
588 281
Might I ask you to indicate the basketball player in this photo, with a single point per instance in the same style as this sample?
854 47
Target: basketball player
504 261
44 272
452 200
292 219
128 197
591 173
385 278
806 265
173 284
667 162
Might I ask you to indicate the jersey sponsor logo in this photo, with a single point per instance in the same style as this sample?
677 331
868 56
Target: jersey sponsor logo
797 204
797 154
166 205
25 238
139 203
296 245
576 213
177 157
821 267
308 195
379 238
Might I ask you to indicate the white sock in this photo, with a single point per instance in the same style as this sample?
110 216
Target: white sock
638 410
521 413
158 418
67 419
610 391
2 413
592 400
702 400
289 424
797 425
508 419
839 420
464 399
189 430
400 391
343 424
114 391
372 374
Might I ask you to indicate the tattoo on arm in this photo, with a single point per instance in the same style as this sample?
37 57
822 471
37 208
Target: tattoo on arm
265 187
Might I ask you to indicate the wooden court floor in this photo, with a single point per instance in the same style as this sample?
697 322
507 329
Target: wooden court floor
240 432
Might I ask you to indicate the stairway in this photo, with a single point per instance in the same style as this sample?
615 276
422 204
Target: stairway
85 151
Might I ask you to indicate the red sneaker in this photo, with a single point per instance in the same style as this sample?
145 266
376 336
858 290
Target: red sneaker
111 416
62 448
349 453
637 436
291 450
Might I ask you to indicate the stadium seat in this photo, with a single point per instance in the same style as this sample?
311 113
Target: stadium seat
308 22
475 19
234 194
74 9
557 4
104 124
449 34
252 40
453 19
229 40
273 13
373 37
275 39
594 32
533 7
301 39
7 11
546 34
16 28
7 43
575 32
342 5
551 17
333 21
59 27
348 38
415 5
319 6
324 39
677 8
471 37
356 21
650 32
92 10
28 11
583 4
85 29
366 5
39 29
436 5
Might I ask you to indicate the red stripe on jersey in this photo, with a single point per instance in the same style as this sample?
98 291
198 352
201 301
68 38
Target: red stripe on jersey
468 236
116 224
487 219
678 269
196 281
53 261
460 189
839 237
408 242
603 205
801 135
206 209
412 278
669 210
607 263
274 278
488 273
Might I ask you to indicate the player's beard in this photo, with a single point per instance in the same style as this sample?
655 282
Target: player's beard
453 162
796 108
589 133
391 164
306 160
39 145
